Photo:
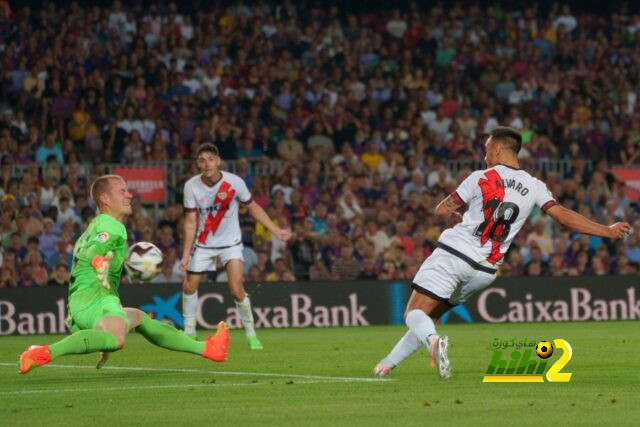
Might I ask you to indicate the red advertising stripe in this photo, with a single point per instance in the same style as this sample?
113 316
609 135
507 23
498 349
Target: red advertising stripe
631 177
148 183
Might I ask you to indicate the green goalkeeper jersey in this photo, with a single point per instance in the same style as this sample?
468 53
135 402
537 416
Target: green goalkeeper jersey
104 234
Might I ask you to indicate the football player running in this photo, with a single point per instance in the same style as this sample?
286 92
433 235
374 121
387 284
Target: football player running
499 199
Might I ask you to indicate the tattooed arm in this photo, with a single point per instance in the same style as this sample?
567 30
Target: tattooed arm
449 205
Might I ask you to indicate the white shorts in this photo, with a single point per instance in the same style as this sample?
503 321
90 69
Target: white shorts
204 259
451 279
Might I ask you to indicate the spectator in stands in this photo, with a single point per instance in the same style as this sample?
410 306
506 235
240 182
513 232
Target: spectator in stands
264 262
320 140
167 275
537 257
319 220
33 266
632 248
377 236
9 261
48 239
369 270
366 86
46 193
165 240
7 278
565 20
280 272
303 249
50 147
389 271
397 25
372 157
534 268
540 239
62 254
599 268
17 248
59 276
254 274
350 206
6 228
555 266
65 212
290 148
402 237
415 185
346 267
319 271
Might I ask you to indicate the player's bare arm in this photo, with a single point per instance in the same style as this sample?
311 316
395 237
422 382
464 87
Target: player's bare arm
190 224
577 222
256 211
448 206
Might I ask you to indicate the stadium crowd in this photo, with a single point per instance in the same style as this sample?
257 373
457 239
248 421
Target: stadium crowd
362 108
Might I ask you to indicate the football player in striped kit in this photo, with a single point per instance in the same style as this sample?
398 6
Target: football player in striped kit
498 201
212 231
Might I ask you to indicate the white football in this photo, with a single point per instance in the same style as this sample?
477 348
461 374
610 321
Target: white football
143 261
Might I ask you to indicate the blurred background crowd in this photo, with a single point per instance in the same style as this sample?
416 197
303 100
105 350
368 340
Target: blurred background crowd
371 115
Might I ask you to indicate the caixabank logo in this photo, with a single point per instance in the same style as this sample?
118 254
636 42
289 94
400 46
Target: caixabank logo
526 364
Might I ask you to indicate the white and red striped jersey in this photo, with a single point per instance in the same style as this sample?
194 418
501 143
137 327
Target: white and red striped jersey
499 201
217 207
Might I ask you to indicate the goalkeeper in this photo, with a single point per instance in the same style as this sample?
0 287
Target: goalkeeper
97 320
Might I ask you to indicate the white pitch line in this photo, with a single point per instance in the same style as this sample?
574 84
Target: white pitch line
142 387
204 371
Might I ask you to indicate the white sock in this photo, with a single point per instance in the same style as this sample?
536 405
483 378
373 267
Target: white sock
246 315
189 307
407 345
422 326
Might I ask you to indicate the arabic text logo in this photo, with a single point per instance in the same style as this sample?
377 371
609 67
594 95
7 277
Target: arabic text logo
527 361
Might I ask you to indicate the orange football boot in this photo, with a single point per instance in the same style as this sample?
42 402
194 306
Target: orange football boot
34 356
216 346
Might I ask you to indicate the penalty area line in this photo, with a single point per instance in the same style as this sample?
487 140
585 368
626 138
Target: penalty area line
318 378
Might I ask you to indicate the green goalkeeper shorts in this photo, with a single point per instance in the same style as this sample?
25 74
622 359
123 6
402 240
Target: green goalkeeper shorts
83 315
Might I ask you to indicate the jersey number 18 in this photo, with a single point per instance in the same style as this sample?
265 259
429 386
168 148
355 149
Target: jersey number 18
498 217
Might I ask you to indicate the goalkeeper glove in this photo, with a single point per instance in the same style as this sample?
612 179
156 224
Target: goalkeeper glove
101 265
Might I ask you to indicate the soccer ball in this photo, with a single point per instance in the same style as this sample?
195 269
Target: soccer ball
143 261
544 349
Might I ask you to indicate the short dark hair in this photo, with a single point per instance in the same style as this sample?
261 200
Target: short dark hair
509 138
207 147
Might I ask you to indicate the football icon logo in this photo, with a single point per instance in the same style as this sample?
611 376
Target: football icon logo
544 349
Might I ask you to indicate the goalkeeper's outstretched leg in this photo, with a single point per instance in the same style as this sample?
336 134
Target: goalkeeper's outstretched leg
110 334
166 336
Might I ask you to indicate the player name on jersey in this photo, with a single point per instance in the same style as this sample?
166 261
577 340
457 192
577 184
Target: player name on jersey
500 200
516 185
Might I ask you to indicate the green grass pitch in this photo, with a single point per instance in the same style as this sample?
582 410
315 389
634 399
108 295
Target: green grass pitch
323 377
